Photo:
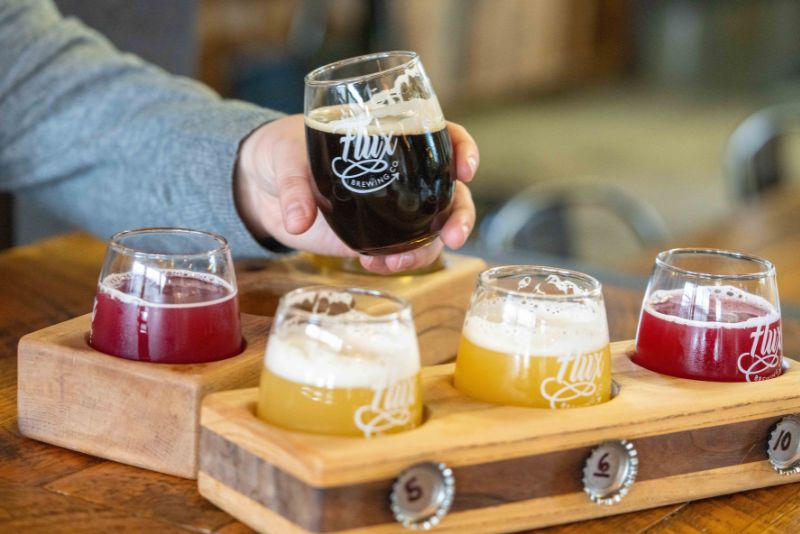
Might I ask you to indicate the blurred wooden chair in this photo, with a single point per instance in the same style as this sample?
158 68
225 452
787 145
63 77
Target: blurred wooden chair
753 156
538 219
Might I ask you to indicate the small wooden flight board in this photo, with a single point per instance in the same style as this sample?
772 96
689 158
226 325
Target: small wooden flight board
439 299
139 413
514 468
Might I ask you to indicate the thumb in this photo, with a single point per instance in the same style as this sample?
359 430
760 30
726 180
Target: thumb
293 181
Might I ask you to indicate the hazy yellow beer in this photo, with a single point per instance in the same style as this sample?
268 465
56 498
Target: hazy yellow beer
535 337
336 369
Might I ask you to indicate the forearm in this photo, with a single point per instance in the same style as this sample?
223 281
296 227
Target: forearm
109 142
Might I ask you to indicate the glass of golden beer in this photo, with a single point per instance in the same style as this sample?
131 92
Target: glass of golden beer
535 336
343 362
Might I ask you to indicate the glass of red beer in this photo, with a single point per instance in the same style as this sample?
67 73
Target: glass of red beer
711 315
167 295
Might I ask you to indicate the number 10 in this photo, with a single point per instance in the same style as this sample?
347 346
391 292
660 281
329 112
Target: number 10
784 440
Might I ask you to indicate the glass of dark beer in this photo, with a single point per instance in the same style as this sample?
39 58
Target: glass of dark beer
380 152
711 315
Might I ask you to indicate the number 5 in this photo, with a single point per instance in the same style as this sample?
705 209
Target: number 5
413 491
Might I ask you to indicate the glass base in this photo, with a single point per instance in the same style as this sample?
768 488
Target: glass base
353 265
399 247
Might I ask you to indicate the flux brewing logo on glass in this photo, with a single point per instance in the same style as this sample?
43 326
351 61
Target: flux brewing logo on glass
578 377
366 164
390 407
764 356
368 145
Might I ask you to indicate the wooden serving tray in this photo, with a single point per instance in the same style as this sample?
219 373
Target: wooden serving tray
515 468
147 414
438 299
138 413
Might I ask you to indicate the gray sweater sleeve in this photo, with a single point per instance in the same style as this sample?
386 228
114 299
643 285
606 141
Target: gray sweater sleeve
108 142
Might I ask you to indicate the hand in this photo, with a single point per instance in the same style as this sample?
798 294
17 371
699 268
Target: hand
273 192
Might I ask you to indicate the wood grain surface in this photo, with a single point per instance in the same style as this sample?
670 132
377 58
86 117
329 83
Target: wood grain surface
501 456
480 486
461 431
48 489
70 395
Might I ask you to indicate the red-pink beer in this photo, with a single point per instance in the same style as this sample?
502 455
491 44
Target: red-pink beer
718 333
167 295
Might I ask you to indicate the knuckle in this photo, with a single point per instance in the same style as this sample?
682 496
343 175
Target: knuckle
293 185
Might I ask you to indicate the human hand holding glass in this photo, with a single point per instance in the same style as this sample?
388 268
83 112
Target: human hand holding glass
274 196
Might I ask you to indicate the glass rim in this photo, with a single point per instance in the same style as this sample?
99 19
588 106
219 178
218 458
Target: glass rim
768 267
310 78
115 244
403 304
595 290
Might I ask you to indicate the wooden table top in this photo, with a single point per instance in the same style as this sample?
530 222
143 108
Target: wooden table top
45 488
769 228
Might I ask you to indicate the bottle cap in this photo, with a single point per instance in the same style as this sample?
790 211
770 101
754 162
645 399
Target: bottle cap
422 495
610 471
783 446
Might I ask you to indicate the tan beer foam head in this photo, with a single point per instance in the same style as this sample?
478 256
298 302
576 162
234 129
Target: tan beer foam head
538 328
112 283
344 355
771 314
411 117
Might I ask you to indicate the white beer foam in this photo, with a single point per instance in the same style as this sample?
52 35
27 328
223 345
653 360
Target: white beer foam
771 314
537 328
344 355
111 283
410 117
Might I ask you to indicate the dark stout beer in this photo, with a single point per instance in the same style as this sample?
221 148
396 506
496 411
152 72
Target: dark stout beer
384 183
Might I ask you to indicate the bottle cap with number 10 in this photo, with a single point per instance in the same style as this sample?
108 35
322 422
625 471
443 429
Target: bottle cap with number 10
783 446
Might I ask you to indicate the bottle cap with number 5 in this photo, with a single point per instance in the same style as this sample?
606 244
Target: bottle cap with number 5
422 495
610 471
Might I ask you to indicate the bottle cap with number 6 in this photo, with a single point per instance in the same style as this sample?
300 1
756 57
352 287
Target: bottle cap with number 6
422 495
610 471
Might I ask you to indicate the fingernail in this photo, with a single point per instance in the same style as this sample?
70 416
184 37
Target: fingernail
466 228
472 161
405 261
295 212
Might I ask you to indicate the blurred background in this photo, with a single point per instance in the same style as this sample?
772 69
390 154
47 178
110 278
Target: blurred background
605 126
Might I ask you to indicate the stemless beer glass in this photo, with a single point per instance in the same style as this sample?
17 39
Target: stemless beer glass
711 315
167 295
535 336
342 362
379 151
